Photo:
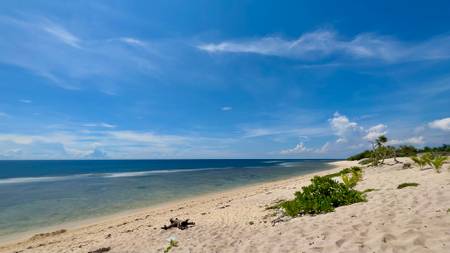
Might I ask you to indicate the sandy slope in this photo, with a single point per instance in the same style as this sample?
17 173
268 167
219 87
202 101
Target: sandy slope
393 220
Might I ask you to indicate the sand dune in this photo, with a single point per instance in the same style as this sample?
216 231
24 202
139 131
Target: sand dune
413 219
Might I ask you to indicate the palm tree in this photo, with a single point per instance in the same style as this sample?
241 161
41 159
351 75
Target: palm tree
379 150
381 140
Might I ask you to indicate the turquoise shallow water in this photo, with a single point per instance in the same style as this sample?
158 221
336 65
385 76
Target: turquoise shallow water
35 194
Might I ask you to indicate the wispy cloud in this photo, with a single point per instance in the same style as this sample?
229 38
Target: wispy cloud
25 101
51 50
417 140
101 124
226 108
326 44
133 41
61 33
300 132
111 144
148 137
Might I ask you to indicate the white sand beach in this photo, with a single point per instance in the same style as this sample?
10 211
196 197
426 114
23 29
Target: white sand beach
412 219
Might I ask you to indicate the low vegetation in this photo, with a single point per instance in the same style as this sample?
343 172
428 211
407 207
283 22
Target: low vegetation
401 186
344 171
172 244
324 194
351 179
420 161
404 151
435 161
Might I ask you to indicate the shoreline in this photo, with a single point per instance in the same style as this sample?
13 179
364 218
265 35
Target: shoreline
172 204
411 219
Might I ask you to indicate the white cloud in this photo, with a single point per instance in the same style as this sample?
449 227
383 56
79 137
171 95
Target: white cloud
3 114
321 44
343 127
442 124
101 124
227 108
341 124
418 140
375 131
25 101
298 149
302 149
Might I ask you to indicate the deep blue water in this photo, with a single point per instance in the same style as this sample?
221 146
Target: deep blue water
36 194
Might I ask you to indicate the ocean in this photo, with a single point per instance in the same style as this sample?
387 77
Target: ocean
36 194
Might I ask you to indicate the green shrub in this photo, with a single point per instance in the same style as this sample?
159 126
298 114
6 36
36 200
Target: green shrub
353 180
436 162
362 155
419 161
427 157
401 186
344 171
323 195
172 243
369 190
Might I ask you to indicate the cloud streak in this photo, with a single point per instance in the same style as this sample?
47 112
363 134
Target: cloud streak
108 143
328 44
61 33
418 140
50 50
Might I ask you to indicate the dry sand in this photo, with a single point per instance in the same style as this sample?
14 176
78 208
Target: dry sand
413 219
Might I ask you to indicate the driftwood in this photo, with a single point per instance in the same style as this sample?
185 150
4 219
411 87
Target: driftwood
406 166
180 224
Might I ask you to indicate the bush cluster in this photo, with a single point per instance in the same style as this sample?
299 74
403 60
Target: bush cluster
323 195
404 151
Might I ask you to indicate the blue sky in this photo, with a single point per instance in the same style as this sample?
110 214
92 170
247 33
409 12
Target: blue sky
221 79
